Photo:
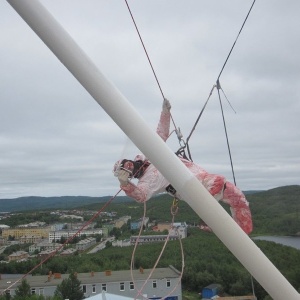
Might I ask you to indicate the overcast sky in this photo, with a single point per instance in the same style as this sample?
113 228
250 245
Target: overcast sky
55 140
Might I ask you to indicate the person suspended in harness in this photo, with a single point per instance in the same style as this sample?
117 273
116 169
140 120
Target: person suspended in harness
151 182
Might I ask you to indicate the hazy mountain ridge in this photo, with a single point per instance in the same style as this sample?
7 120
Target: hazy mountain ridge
285 199
61 202
276 211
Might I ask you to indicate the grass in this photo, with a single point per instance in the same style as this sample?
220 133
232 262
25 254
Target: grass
190 296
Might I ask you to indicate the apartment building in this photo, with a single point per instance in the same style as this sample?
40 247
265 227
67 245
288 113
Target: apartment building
179 228
146 239
30 239
18 256
45 245
85 244
57 235
164 283
17 233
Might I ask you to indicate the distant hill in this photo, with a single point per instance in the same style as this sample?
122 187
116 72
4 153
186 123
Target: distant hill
253 192
60 202
64 202
275 211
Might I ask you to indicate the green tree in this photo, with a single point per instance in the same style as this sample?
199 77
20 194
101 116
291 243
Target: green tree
11 249
5 297
116 232
62 239
108 244
98 237
237 288
23 290
70 289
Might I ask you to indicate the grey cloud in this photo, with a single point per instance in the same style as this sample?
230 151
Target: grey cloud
56 140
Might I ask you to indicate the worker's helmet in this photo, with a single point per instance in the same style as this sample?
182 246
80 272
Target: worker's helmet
141 157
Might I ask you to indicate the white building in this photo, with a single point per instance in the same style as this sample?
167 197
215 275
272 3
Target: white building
85 244
121 243
45 245
107 296
3 226
179 230
57 235
165 283
146 239
71 217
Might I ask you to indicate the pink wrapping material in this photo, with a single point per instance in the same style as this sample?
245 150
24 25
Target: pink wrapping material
153 182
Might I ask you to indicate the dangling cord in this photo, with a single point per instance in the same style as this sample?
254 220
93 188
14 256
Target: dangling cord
219 87
252 285
66 242
135 245
187 140
227 98
231 163
174 210
224 123
182 266
218 83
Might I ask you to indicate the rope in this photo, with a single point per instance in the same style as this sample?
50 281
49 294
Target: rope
193 129
135 246
227 99
145 49
150 63
174 210
66 242
197 120
227 140
235 40
218 84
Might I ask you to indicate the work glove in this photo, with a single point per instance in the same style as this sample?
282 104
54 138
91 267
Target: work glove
123 177
166 105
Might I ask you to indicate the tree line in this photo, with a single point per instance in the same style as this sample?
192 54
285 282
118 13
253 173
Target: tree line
207 261
274 212
69 289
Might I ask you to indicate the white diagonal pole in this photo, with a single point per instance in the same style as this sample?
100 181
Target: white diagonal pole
127 118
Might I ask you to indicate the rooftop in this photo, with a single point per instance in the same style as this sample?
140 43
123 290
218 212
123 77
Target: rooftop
92 277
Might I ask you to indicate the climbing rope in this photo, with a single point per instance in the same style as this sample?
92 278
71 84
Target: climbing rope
185 144
197 120
174 207
235 41
138 32
177 130
217 85
181 151
174 211
66 242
